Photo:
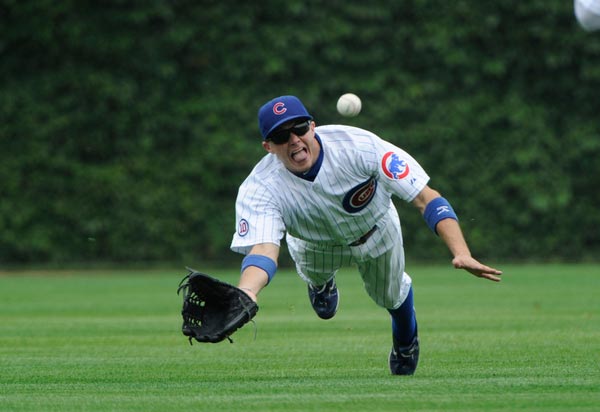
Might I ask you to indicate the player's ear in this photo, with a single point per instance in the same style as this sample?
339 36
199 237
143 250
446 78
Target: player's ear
267 146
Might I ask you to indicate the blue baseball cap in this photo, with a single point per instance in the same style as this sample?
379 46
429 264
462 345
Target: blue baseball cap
276 112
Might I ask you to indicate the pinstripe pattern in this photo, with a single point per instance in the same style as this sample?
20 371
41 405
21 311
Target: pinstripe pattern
273 202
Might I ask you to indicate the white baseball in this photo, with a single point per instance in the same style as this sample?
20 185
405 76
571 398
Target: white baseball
349 105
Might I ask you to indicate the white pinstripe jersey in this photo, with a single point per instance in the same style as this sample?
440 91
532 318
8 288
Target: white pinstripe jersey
351 193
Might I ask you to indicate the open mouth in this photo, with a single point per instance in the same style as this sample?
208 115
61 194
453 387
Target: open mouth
299 155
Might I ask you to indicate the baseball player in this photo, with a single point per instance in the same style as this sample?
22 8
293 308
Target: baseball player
328 189
587 13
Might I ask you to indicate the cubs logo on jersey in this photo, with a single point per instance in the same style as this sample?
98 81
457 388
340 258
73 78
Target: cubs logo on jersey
360 196
394 167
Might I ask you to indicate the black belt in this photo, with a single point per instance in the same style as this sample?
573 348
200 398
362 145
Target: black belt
364 237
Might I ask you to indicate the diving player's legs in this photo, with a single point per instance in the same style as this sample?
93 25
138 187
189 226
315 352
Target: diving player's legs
384 278
317 266
390 287
404 322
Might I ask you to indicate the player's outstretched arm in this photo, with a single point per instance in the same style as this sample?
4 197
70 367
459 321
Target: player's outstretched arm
254 278
449 230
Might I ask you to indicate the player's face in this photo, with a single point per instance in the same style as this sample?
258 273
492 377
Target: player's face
301 151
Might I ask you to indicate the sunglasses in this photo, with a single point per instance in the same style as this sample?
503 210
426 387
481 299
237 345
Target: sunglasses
282 136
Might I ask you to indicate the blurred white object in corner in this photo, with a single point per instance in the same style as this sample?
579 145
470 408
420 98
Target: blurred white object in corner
588 14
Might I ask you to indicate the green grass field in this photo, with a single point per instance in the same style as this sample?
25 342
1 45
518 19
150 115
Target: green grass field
111 341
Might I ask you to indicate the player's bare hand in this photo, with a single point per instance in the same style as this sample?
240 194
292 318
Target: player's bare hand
476 268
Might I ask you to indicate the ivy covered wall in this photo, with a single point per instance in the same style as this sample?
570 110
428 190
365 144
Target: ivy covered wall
126 127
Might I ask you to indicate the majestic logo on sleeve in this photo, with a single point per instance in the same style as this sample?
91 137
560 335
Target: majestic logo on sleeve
279 108
243 227
360 196
394 167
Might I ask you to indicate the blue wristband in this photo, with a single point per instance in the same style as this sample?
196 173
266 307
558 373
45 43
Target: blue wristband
260 261
436 210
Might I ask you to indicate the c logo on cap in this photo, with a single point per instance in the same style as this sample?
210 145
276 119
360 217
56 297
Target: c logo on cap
279 108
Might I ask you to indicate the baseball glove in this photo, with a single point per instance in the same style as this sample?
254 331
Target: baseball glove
213 310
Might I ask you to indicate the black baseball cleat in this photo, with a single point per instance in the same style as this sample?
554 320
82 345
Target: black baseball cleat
403 360
324 299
